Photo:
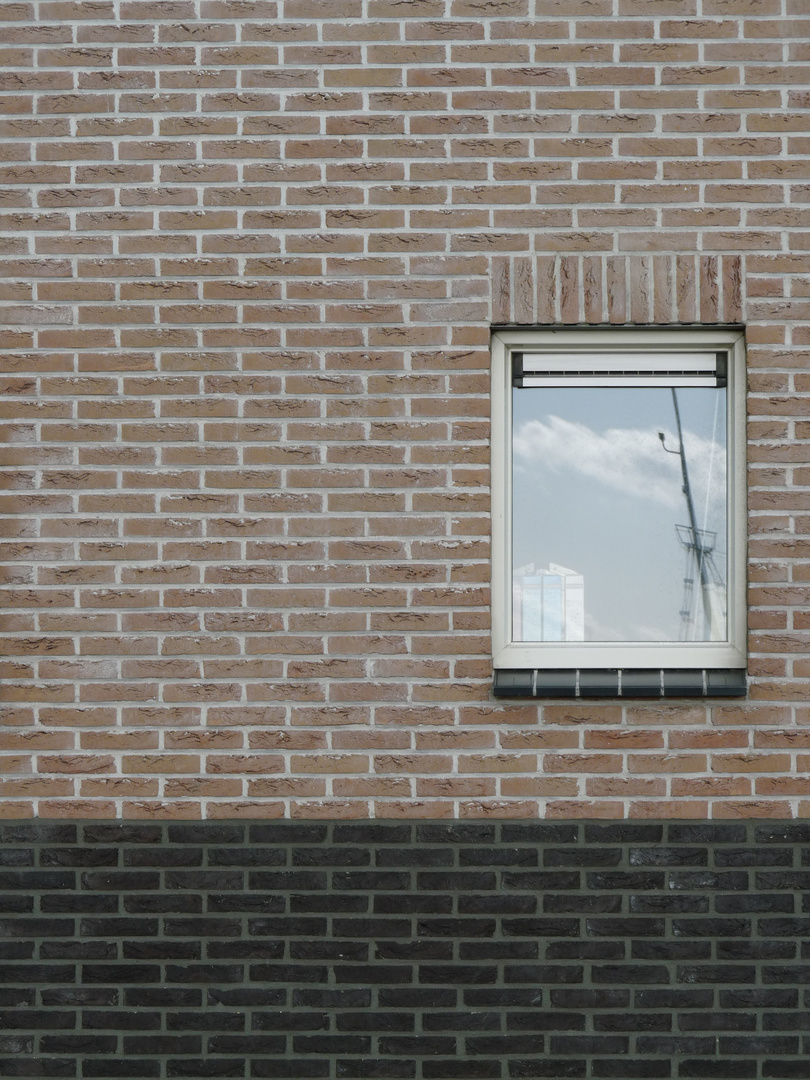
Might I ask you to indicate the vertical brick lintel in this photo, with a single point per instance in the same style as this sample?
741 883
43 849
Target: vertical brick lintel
600 289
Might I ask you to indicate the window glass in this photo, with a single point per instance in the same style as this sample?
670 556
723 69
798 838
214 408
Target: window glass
619 498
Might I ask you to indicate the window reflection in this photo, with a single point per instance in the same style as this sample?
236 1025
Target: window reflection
619 514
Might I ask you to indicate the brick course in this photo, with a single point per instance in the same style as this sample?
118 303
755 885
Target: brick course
253 254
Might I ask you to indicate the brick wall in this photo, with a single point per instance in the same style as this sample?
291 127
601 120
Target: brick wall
423 951
253 254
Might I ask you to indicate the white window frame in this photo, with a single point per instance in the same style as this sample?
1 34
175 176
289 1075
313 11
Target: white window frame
508 654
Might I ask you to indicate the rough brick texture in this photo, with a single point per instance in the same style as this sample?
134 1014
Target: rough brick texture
414 950
253 254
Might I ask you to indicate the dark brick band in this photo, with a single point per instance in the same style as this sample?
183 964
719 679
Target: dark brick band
421 950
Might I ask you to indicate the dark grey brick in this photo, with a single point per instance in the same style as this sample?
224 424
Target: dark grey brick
119 927
462 1021
248 856
456 832
331 1044
369 974
36 1019
706 832
590 999
39 1067
122 832
714 928
637 1069
539 832
203 880
589 1044
120 1020
582 903
286 880
374 1068
399 904
511 1045
622 880
624 832
695 880
670 950
37 973
288 973
214 833
37 832
460 1070
632 974
78 856
754 856
727 905
372 928
789 1021
287 832
585 950
670 904
247 1044
332 856
24 950
417 998
299 1069
756 950
257 949
497 950
503 997
37 880
372 832
163 856
206 1067
211 1020
163 997
158 903
545 1020
625 927
17 857
375 1021
490 904
455 881
707 1069
758 999
556 1069
782 832
418 950
541 927
786 1070
78 950
118 880
333 903
78 1044
674 999
668 856
162 950
633 1021
332 999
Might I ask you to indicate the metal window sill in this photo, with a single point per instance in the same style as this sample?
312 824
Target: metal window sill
619 683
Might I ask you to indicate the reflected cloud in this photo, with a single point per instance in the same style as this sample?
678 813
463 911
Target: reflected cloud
629 460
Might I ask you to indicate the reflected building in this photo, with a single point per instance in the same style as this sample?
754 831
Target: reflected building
548 604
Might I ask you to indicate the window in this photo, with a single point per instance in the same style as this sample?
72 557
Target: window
619 512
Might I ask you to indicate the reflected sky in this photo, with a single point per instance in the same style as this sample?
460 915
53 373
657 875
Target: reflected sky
595 491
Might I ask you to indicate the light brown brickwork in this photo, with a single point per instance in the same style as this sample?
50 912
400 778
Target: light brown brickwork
252 255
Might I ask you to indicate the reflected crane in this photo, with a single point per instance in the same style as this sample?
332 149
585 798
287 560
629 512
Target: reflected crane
699 545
